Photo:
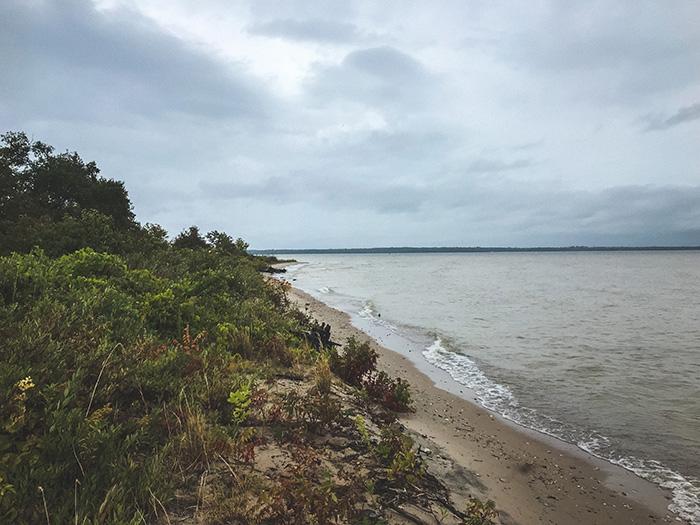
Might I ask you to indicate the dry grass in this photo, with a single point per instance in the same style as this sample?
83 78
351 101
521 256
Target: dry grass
323 376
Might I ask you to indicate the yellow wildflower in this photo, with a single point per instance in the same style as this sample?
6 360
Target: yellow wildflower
25 384
100 414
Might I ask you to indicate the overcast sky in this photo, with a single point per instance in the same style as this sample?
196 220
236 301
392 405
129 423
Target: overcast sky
301 124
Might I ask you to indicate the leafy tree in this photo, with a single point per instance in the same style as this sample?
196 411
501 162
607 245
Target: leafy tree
190 239
39 189
16 154
225 243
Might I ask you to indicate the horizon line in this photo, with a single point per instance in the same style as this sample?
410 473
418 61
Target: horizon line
475 249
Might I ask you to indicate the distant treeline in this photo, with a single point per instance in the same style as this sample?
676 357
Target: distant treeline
477 249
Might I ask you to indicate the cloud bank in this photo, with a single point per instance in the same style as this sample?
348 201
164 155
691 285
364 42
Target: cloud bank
355 124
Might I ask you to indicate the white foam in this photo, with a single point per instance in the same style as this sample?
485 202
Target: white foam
465 371
369 310
496 397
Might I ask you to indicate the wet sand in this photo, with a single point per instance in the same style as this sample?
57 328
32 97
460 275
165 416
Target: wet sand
532 478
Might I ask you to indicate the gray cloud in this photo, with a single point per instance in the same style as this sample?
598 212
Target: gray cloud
264 10
625 215
387 64
70 62
383 128
497 166
685 114
501 209
309 30
328 191
616 53
387 153
526 216
380 76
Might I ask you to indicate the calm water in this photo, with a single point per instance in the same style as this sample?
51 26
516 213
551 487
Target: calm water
599 349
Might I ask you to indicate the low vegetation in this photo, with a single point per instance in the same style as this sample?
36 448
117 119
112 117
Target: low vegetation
152 381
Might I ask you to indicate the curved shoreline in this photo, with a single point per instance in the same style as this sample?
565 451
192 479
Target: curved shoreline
532 477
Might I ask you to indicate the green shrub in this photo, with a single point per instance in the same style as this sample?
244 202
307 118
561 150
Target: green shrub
392 393
357 361
122 394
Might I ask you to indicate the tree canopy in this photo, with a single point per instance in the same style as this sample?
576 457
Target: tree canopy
41 190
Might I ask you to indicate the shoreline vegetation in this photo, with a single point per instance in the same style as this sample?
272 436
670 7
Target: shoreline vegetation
147 380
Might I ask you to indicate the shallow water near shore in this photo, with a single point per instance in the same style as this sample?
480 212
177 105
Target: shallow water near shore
601 350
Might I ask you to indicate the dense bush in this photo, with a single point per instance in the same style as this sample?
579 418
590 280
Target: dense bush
357 361
101 380
357 365
58 201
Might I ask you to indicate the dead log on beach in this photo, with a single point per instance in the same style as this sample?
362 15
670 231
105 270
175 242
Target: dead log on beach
272 269
318 337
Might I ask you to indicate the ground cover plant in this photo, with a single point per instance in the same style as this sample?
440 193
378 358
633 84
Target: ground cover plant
101 380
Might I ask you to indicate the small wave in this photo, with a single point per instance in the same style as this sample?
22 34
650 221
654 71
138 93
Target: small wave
369 309
498 398
325 290
463 370
370 312
686 492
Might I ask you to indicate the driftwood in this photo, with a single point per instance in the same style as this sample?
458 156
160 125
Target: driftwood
318 337
272 269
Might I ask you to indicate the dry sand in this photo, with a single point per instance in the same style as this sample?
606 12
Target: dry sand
531 477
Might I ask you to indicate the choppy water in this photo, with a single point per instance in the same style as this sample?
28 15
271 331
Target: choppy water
599 349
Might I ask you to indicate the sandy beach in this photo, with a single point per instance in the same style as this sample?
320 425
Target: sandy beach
531 477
